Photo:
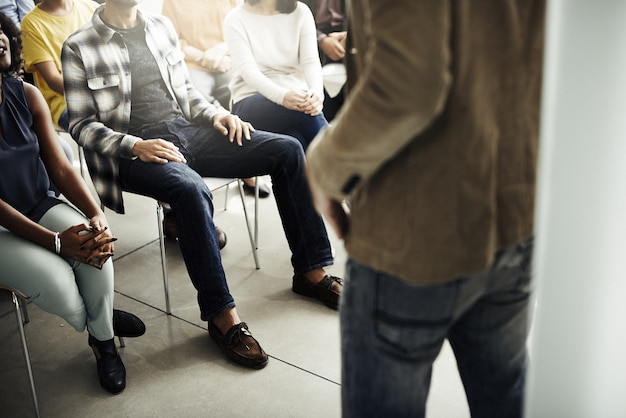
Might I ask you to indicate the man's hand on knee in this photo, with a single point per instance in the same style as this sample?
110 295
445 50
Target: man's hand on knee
235 128
157 151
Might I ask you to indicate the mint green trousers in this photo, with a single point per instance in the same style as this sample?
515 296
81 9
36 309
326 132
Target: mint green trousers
80 294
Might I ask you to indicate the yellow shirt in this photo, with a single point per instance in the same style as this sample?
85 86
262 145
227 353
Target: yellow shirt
198 23
42 38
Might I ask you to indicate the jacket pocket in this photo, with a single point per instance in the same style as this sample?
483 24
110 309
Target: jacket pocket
106 91
175 60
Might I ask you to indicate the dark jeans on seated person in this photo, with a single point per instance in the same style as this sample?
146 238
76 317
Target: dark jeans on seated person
210 154
268 116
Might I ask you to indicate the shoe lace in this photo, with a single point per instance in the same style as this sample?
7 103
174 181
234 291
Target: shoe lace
333 279
235 336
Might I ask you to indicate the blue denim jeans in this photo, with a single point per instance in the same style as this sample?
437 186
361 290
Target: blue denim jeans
392 332
210 154
268 116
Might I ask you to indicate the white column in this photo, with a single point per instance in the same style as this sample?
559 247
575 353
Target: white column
578 350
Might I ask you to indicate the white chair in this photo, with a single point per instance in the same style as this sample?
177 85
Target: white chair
214 183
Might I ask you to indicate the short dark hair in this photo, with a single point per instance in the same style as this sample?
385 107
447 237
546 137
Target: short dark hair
15 42
283 6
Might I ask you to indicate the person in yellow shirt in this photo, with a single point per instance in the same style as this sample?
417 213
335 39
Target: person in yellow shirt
44 29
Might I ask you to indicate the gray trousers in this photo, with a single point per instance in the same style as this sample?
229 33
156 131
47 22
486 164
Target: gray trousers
79 293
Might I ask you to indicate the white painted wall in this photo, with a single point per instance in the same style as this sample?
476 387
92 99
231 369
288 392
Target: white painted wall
578 352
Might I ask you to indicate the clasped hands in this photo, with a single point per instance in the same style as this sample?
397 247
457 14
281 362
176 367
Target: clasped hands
90 244
305 102
334 45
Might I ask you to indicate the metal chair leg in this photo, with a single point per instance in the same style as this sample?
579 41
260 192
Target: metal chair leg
256 213
253 242
166 288
226 196
20 326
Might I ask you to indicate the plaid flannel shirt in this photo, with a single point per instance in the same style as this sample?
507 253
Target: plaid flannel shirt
97 81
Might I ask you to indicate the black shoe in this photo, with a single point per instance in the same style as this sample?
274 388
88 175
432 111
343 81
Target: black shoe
327 291
264 190
170 230
111 370
126 324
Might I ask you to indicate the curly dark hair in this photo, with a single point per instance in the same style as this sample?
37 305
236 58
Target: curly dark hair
15 42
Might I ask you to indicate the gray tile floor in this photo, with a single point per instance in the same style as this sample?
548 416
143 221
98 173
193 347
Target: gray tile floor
175 370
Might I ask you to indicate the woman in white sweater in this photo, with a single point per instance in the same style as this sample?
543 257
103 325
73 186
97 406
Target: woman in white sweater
277 83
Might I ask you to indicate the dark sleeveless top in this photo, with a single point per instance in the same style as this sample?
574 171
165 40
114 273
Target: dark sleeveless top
24 182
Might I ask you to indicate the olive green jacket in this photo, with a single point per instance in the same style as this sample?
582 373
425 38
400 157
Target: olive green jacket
436 145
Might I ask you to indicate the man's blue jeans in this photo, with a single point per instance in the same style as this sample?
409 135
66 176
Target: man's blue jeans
268 116
392 332
210 154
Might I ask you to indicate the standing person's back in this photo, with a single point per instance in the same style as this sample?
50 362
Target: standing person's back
436 150
44 30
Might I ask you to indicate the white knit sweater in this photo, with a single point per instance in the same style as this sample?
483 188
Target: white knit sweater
273 54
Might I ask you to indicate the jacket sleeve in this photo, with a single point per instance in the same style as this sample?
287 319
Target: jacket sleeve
403 82
85 127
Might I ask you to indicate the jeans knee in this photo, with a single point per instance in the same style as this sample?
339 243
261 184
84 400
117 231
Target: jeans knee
291 148
192 192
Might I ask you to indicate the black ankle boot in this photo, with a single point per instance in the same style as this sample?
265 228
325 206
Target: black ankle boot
126 324
111 370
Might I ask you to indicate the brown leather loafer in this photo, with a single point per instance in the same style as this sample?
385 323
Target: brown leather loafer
328 290
239 345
